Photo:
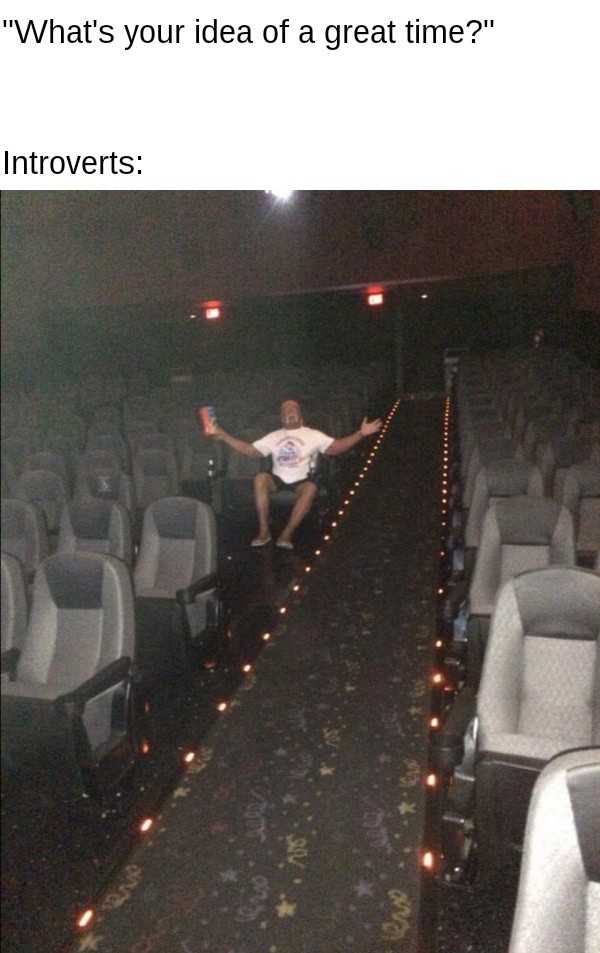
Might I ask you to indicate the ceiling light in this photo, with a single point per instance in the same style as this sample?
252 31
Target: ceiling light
281 195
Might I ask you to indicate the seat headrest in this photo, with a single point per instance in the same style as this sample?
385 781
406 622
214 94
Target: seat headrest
559 602
44 481
527 520
105 459
14 518
508 477
75 582
153 462
570 450
91 520
588 478
175 517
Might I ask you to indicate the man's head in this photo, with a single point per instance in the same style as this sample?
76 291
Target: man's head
291 414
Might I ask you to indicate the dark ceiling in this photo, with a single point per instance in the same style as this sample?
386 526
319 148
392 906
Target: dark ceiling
110 249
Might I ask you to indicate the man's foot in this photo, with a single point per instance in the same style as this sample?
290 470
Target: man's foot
284 544
260 541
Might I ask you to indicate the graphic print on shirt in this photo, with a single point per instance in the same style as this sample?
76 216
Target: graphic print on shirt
288 453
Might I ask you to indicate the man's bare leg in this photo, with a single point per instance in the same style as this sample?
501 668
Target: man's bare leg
263 487
305 495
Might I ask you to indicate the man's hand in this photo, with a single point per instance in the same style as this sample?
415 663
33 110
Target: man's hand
367 428
213 430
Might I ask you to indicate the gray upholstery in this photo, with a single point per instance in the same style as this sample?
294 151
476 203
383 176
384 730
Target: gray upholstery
45 488
540 687
106 418
501 478
81 621
154 476
178 547
98 526
542 428
24 533
581 494
555 456
49 460
519 533
150 440
100 475
484 453
16 450
472 434
66 432
111 441
14 603
558 904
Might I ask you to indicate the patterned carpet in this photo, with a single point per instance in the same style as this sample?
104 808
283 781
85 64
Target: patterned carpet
298 827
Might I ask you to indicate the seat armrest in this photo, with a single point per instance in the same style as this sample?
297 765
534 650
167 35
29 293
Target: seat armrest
456 595
448 746
186 596
107 678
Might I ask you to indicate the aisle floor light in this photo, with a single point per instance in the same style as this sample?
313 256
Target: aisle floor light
84 920
428 859
189 757
145 825
222 706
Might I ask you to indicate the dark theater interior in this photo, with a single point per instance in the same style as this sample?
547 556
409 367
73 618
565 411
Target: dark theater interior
374 729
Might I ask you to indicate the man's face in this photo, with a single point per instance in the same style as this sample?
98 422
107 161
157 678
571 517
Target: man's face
291 416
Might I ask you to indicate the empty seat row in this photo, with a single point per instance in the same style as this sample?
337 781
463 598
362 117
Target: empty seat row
94 525
523 647
539 696
94 635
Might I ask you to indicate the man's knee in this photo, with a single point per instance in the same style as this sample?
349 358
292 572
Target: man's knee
262 481
307 491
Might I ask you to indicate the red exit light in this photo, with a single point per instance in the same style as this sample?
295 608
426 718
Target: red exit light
375 297
212 310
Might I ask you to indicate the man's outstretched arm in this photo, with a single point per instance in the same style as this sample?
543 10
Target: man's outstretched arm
343 444
241 446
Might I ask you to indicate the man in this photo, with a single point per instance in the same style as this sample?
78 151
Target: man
294 449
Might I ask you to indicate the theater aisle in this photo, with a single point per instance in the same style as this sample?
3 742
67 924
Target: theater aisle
298 827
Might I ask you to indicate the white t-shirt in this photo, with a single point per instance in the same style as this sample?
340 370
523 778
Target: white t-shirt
293 451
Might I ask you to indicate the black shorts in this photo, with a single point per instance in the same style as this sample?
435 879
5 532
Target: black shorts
282 485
